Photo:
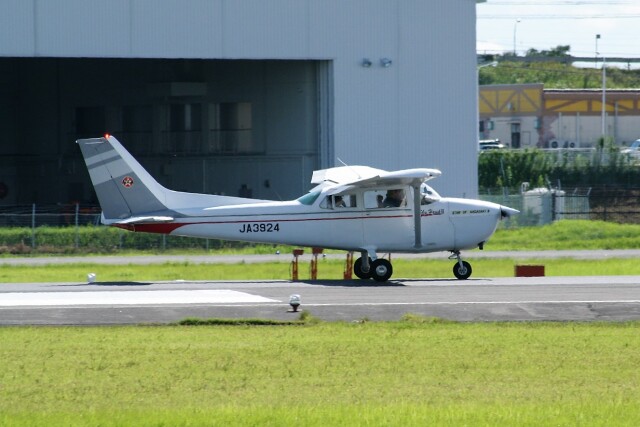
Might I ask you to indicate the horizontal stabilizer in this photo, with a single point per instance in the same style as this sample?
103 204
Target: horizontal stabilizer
145 219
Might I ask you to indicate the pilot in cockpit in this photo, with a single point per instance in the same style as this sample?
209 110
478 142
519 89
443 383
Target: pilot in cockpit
394 199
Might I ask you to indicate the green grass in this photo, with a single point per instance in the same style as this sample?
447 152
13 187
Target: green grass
574 234
570 235
327 270
419 371
413 372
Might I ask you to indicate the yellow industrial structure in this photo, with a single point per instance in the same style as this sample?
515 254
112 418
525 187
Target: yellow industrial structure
527 115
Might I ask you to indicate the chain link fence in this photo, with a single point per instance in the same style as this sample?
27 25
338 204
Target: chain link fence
541 206
73 228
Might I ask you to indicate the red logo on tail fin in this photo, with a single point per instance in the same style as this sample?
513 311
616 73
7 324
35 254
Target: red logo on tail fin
127 182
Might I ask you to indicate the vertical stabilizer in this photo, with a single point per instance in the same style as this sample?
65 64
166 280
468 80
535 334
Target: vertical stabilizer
123 187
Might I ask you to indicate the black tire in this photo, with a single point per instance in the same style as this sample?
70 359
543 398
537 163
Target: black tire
381 270
357 269
462 272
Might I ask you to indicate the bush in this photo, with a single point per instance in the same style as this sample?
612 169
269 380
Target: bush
510 168
96 239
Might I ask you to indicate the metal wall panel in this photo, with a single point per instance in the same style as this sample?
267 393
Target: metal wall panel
177 29
266 29
420 111
74 28
17 27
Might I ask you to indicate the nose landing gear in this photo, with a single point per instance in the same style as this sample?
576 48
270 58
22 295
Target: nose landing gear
461 269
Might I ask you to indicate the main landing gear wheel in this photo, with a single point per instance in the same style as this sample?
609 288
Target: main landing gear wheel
462 270
381 270
357 269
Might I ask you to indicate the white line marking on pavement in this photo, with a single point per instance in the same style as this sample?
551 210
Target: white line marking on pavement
222 296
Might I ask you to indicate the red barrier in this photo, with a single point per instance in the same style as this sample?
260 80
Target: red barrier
529 270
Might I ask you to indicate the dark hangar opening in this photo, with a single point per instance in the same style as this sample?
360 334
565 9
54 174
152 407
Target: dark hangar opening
197 125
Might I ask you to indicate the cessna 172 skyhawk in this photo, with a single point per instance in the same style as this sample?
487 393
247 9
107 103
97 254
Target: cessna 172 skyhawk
352 208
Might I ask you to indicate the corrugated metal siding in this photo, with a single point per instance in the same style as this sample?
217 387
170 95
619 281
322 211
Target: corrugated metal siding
177 29
421 111
17 28
72 28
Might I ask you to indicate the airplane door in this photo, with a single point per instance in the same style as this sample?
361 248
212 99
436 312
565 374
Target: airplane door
344 215
387 221
437 229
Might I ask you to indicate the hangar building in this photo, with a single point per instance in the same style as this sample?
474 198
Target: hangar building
221 95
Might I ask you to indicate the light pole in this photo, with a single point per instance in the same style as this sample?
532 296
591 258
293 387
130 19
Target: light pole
515 27
597 38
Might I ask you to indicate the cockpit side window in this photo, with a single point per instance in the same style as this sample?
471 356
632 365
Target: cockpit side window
387 198
339 201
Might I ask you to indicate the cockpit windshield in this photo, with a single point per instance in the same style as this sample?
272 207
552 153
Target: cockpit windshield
309 198
428 195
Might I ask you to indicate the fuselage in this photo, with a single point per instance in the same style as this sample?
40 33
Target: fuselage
362 224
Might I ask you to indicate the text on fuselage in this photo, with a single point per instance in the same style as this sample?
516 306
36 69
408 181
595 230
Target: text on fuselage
471 211
431 212
260 227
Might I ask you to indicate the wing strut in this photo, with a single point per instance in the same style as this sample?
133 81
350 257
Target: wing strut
417 218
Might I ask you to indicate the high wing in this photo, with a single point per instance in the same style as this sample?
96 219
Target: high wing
344 174
413 177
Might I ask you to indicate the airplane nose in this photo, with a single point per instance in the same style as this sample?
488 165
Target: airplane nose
506 212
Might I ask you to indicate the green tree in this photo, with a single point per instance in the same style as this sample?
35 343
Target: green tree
553 74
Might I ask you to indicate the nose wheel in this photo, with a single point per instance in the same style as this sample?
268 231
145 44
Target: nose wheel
461 269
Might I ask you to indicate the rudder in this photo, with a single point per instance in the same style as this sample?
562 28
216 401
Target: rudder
123 187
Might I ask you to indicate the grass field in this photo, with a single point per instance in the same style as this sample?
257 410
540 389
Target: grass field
412 372
327 270
566 234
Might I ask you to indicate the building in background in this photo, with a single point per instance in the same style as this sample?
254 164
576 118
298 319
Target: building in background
211 95
527 115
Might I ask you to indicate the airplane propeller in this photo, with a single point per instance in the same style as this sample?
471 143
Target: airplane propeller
506 212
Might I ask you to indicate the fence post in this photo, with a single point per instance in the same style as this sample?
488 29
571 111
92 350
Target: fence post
77 230
33 226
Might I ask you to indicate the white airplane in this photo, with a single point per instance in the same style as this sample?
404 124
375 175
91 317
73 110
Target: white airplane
351 208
